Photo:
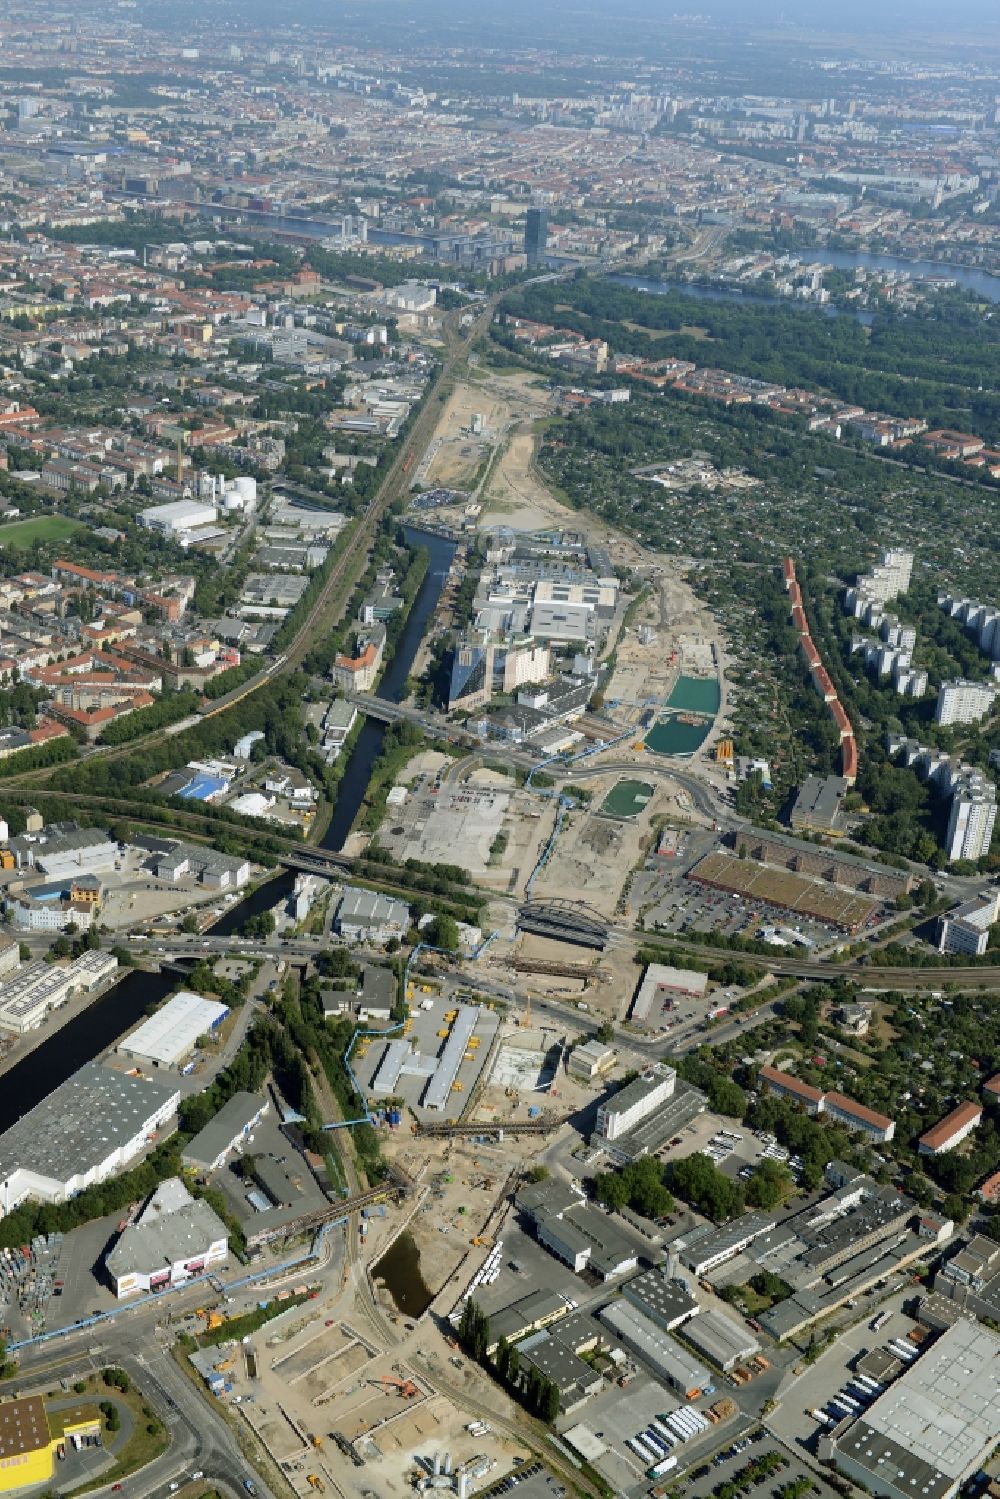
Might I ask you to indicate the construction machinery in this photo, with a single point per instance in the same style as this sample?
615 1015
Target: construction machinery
405 1388
315 1482
315 1440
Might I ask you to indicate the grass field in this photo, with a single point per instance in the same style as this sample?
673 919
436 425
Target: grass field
791 892
21 533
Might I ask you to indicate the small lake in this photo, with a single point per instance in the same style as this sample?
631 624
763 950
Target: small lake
399 1271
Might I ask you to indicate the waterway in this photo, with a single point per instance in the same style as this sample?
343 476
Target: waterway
79 1041
982 283
399 1271
734 294
368 745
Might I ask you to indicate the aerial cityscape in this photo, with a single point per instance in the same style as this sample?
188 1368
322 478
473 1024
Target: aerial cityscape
499 749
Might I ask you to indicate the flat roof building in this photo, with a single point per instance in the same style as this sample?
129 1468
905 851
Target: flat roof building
721 1339
666 1302
169 1036
669 1360
88 1128
935 1426
659 983
624 1109
819 803
226 1132
176 1238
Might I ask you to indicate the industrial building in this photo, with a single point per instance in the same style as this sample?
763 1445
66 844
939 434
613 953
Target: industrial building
631 1104
29 1439
400 1059
720 1339
530 1314
88 1128
575 1232
574 1378
234 1122
664 1299
659 984
169 1036
951 1130
672 1363
369 916
177 517
28 996
591 1060
175 1238
935 1426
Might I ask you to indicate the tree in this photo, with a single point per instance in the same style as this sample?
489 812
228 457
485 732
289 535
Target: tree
443 932
768 1185
605 1033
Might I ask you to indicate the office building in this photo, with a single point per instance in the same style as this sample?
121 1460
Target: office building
960 701
951 1130
168 1038
966 929
934 1426
175 1238
88 1128
631 1104
228 1131
536 235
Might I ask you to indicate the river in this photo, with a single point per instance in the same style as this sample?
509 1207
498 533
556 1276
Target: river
724 294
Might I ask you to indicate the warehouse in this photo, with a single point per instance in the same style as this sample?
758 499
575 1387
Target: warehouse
932 1429
665 1301
437 1094
659 983
27 997
169 1037
91 1126
720 1339
175 1238
232 1125
671 1363
177 517
574 1378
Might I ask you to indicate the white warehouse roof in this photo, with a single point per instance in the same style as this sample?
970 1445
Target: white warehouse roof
169 1036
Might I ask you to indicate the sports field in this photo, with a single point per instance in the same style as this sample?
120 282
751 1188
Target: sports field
779 887
627 798
21 533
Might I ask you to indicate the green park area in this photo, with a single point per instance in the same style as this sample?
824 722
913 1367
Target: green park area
21 533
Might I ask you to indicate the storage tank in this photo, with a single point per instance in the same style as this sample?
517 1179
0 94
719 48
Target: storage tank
246 488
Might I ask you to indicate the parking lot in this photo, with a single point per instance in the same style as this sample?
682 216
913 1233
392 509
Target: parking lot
671 903
744 1464
821 1381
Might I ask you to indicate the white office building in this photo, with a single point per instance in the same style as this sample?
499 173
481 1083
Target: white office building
966 929
631 1104
964 702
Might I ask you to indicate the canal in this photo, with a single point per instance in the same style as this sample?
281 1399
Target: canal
79 1041
368 745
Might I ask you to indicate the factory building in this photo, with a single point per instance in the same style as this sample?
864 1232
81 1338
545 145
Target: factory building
33 991
228 1131
935 1426
671 1362
175 1238
168 1038
720 1339
88 1128
369 916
